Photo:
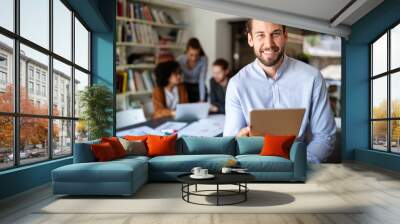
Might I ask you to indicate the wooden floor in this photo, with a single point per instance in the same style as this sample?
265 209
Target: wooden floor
378 188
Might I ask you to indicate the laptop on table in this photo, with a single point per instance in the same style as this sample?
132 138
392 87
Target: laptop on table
191 111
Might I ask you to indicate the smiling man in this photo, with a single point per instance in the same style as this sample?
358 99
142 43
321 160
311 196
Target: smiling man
274 80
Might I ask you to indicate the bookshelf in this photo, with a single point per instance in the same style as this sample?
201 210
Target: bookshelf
148 32
156 46
136 66
127 19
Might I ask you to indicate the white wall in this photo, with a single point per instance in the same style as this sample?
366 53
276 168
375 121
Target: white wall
213 31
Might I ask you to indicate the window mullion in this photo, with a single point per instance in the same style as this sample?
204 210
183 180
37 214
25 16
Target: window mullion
16 84
50 81
371 142
389 106
73 83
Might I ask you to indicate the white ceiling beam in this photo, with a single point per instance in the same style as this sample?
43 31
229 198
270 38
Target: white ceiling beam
276 16
348 12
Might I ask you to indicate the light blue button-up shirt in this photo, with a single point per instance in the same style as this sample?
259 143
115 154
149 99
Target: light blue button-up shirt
296 85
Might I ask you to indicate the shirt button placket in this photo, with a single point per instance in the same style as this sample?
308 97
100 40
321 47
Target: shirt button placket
276 98
273 95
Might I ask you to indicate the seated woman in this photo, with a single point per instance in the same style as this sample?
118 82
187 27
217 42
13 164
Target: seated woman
169 90
218 84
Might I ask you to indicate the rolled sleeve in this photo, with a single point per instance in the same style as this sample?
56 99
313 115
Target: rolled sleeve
234 118
322 124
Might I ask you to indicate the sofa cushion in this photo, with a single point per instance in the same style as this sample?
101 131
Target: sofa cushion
112 171
83 153
185 163
257 163
249 145
191 145
131 158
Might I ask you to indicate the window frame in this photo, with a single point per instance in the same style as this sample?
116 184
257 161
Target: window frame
16 115
388 74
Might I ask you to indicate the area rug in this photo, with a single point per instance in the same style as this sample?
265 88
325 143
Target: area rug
167 198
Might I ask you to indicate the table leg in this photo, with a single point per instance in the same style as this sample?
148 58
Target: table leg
182 189
196 187
188 190
217 194
245 193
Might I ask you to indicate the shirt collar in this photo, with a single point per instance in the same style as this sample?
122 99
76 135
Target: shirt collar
280 70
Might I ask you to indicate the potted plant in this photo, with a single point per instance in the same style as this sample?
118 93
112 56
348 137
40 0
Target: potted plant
95 103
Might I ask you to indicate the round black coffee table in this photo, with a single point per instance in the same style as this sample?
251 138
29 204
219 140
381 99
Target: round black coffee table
238 179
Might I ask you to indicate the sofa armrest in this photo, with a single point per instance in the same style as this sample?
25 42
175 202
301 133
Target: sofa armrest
83 152
298 155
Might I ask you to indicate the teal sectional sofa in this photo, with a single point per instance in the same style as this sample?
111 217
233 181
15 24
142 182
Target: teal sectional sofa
125 176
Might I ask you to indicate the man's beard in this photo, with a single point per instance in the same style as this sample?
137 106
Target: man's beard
268 63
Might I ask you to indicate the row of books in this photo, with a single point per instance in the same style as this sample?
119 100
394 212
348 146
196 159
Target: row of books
135 81
137 33
139 10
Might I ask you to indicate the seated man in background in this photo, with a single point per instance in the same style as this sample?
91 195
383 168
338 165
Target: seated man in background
218 84
275 80
169 90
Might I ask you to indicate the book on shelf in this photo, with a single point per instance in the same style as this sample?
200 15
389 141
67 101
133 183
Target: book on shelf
181 36
120 7
136 33
131 81
139 81
122 80
134 80
148 80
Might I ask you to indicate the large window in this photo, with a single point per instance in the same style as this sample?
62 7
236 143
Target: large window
385 91
44 64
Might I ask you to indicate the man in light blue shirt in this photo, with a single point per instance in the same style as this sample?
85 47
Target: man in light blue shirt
275 80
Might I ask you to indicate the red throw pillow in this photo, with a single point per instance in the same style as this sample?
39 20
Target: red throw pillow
277 145
161 145
103 152
116 145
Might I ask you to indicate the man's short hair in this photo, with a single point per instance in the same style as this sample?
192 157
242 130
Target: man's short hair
222 63
249 25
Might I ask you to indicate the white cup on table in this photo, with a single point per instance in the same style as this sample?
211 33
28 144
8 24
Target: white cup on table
196 171
203 172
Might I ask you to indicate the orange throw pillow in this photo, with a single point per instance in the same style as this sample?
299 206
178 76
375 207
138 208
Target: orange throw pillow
136 137
116 145
103 152
277 145
161 145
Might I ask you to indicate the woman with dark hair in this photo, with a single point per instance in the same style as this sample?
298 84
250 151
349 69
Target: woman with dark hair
169 90
194 68
218 84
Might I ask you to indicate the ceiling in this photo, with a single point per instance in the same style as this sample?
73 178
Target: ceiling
325 16
319 9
